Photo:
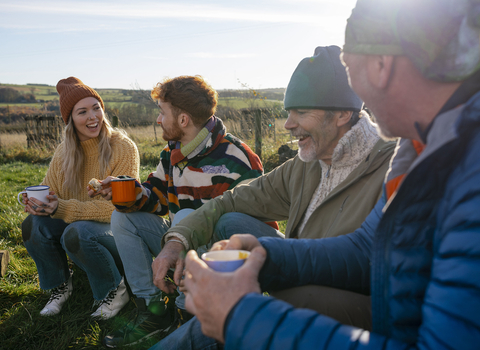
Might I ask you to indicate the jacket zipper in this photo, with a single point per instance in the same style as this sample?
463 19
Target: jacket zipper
328 171
336 217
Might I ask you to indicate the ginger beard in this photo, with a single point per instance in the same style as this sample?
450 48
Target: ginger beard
173 132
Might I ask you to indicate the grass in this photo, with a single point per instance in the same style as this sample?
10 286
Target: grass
21 299
239 103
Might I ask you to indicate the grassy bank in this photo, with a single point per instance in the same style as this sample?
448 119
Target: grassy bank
21 299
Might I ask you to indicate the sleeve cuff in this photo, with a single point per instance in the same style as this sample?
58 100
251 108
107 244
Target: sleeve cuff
176 235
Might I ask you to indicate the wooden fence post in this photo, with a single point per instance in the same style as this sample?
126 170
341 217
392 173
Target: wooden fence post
4 260
274 130
155 131
258 132
115 121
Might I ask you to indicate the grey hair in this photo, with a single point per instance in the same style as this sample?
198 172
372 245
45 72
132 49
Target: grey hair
329 114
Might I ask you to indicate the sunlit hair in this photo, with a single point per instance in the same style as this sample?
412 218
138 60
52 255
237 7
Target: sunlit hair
73 163
190 94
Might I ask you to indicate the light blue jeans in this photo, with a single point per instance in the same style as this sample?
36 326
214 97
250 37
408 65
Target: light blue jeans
138 236
89 244
190 335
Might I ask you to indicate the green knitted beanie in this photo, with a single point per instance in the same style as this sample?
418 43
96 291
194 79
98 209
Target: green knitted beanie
320 82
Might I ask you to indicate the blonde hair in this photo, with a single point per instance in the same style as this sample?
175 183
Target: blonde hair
73 162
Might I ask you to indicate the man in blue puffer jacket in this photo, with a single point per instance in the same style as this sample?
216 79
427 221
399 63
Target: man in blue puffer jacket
418 252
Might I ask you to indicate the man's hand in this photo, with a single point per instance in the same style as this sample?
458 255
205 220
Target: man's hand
238 241
106 191
171 256
211 295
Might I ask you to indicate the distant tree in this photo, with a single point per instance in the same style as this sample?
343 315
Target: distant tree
30 98
9 95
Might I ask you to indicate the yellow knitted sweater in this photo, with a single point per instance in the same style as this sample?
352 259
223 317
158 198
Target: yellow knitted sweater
75 207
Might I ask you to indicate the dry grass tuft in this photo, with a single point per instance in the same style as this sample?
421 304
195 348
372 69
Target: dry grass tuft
16 139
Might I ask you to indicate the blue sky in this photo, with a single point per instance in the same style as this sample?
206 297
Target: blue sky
128 44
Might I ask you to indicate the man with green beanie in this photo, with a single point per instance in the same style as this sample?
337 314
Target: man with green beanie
415 63
326 191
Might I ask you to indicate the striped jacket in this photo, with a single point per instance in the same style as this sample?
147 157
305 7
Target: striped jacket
219 163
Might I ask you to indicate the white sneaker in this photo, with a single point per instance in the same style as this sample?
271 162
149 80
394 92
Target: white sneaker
58 297
113 303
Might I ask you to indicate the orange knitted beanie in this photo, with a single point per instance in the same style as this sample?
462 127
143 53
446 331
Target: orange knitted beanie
72 90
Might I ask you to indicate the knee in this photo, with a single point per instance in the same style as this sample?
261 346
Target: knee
225 222
35 228
27 226
119 221
228 219
71 239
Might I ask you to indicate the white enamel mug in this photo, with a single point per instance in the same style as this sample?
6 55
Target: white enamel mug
39 192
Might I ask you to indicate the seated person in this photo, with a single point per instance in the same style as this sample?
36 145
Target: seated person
200 162
71 222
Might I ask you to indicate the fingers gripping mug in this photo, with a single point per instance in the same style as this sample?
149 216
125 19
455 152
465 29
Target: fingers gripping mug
39 192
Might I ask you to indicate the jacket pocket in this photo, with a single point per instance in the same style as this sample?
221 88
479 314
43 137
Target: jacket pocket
337 217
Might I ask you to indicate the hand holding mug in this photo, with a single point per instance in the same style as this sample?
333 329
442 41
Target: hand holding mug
36 207
39 200
211 295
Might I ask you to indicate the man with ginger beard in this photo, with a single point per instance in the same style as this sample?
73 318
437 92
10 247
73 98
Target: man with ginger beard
416 64
200 162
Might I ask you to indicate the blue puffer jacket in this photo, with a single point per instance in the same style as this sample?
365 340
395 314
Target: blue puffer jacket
420 260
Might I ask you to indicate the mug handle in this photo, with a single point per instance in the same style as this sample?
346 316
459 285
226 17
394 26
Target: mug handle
18 198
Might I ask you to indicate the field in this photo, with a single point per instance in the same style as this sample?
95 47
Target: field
21 299
117 98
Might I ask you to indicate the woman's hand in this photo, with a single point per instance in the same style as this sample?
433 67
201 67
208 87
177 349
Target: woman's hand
106 191
39 208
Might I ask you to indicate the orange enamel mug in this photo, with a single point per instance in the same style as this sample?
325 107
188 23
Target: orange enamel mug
123 190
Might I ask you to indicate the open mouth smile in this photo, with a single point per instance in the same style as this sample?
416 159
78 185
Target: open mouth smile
303 139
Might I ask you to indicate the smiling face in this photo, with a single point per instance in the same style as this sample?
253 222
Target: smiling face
87 116
317 133
169 122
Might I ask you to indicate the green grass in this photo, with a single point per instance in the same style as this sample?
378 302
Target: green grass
239 103
29 105
21 299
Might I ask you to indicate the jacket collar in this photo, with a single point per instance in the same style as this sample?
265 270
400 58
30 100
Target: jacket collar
464 93
206 140
356 144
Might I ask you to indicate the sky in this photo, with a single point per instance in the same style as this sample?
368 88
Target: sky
128 44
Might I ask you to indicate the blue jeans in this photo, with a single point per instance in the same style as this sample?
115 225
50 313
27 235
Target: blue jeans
233 223
138 236
89 244
190 335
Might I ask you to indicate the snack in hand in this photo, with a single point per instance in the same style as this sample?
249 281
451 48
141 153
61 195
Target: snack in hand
94 185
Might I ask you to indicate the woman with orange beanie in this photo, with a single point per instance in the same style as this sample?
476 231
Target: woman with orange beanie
71 222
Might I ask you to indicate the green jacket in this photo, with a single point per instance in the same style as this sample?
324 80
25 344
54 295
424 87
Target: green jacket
285 193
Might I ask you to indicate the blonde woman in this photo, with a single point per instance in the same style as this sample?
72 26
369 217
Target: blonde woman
71 222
